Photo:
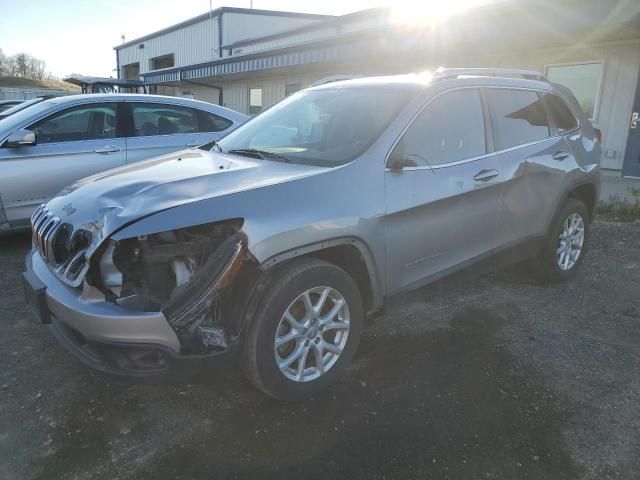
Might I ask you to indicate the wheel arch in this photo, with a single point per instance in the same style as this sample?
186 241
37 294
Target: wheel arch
585 191
587 194
349 253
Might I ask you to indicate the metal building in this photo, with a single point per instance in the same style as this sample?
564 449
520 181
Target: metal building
248 60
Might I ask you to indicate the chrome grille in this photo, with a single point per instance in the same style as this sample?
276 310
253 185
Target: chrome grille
66 258
44 225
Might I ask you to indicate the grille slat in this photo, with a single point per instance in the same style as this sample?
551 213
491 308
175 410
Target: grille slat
46 229
44 225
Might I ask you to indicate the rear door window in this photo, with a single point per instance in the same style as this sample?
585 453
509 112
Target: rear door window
518 117
562 115
151 119
449 129
84 122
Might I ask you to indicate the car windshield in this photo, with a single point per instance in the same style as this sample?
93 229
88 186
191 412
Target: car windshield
327 127
20 106
26 114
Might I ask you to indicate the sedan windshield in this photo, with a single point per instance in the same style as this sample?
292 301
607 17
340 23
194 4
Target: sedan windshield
327 127
20 106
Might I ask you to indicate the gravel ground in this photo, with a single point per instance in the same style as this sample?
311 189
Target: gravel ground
487 377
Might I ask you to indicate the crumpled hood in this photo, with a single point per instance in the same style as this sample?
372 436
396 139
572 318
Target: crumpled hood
105 202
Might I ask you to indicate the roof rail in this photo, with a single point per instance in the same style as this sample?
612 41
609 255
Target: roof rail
448 73
334 78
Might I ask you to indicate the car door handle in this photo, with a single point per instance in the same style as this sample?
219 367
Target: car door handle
109 149
485 175
560 155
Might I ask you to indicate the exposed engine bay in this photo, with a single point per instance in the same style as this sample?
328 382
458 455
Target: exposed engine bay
183 273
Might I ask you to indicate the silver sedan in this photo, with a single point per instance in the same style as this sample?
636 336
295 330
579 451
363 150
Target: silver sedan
53 143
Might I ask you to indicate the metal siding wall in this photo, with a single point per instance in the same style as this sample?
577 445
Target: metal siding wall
194 44
240 26
236 93
286 41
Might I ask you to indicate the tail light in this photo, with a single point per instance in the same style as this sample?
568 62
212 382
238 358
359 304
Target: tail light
598 135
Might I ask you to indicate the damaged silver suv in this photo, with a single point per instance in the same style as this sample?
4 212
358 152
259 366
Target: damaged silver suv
273 245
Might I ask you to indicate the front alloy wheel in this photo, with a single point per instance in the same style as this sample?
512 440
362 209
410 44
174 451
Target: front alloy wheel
312 334
305 331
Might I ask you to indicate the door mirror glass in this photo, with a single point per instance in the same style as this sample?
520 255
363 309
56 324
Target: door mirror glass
21 138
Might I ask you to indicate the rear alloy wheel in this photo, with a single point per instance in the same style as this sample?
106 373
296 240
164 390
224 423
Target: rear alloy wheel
565 245
305 331
571 241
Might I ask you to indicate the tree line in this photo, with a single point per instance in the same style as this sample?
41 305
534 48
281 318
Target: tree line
23 65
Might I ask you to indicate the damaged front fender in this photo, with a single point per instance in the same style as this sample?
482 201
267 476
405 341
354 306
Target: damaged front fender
191 303
185 274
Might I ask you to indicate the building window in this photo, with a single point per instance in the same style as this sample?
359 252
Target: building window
583 79
255 101
164 61
291 88
131 71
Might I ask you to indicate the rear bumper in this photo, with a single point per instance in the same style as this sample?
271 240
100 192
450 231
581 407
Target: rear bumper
109 338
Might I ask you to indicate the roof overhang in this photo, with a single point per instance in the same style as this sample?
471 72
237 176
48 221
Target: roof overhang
82 80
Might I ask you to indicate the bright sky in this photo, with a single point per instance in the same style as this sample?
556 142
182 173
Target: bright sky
77 36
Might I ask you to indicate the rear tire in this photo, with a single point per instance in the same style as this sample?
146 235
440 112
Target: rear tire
306 329
564 247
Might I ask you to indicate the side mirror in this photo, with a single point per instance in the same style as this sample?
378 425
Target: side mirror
398 159
21 138
397 164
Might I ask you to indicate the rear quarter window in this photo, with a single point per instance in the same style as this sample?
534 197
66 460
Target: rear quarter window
210 122
562 115
518 117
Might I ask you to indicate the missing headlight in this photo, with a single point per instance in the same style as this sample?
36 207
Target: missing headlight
148 273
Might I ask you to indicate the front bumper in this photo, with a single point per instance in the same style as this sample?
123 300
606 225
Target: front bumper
109 338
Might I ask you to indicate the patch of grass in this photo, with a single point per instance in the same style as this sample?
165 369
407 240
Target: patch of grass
19 82
620 209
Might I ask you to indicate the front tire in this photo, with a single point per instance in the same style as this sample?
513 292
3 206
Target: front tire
565 246
306 329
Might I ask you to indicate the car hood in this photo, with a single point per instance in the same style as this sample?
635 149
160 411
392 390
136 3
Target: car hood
108 201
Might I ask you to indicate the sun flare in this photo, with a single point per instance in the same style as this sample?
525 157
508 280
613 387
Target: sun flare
429 11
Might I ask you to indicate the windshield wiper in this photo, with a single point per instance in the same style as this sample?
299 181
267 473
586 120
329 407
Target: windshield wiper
262 154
